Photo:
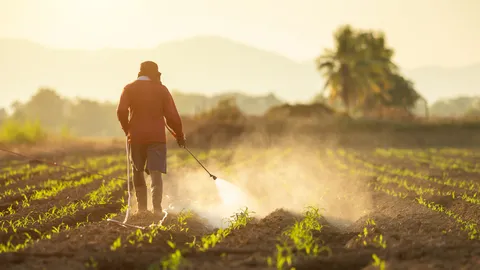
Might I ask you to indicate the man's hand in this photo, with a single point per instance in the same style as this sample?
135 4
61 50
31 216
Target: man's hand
181 142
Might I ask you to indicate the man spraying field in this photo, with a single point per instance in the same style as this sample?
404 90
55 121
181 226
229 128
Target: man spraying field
144 106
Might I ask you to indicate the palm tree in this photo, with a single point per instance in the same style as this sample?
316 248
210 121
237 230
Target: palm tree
357 66
379 66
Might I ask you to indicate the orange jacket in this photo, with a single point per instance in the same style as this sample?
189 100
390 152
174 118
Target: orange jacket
148 103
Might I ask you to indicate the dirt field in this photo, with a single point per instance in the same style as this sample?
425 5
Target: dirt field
308 208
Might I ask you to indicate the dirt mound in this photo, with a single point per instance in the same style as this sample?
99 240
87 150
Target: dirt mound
317 110
248 247
260 234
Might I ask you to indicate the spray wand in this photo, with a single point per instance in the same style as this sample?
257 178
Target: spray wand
188 150
211 175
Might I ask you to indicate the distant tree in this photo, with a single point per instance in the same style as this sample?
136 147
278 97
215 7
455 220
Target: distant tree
358 65
225 111
454 107
473 112
474 109
361 74
45 105
189 104
93 118
3 115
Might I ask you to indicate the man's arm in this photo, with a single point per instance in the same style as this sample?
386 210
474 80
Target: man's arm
122 110
171 115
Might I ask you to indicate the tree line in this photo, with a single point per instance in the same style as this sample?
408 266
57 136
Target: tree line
86 117
82 117
457 107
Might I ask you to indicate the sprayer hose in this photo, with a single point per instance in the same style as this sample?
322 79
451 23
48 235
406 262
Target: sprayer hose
127 152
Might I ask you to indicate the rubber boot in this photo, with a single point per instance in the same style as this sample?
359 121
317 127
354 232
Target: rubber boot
141 193
157 192
140 190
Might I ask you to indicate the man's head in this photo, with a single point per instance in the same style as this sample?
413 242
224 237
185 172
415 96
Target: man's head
150 69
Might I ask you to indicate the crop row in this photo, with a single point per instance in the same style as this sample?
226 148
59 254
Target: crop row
23 231
383 179
52 182
461 184
434 160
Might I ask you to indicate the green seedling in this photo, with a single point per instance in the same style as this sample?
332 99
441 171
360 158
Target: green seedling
116 244
377 262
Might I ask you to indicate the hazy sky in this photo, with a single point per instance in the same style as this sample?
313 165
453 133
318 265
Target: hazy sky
423 32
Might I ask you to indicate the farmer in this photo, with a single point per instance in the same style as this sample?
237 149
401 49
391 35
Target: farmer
149 102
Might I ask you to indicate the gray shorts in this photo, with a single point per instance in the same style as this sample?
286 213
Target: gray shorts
149 157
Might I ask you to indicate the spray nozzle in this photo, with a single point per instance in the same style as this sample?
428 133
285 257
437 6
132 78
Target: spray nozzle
211 175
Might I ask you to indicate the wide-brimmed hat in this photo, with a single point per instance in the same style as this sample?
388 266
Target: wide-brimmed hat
149 67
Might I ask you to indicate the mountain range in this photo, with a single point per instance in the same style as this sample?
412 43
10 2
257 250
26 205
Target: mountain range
206 65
